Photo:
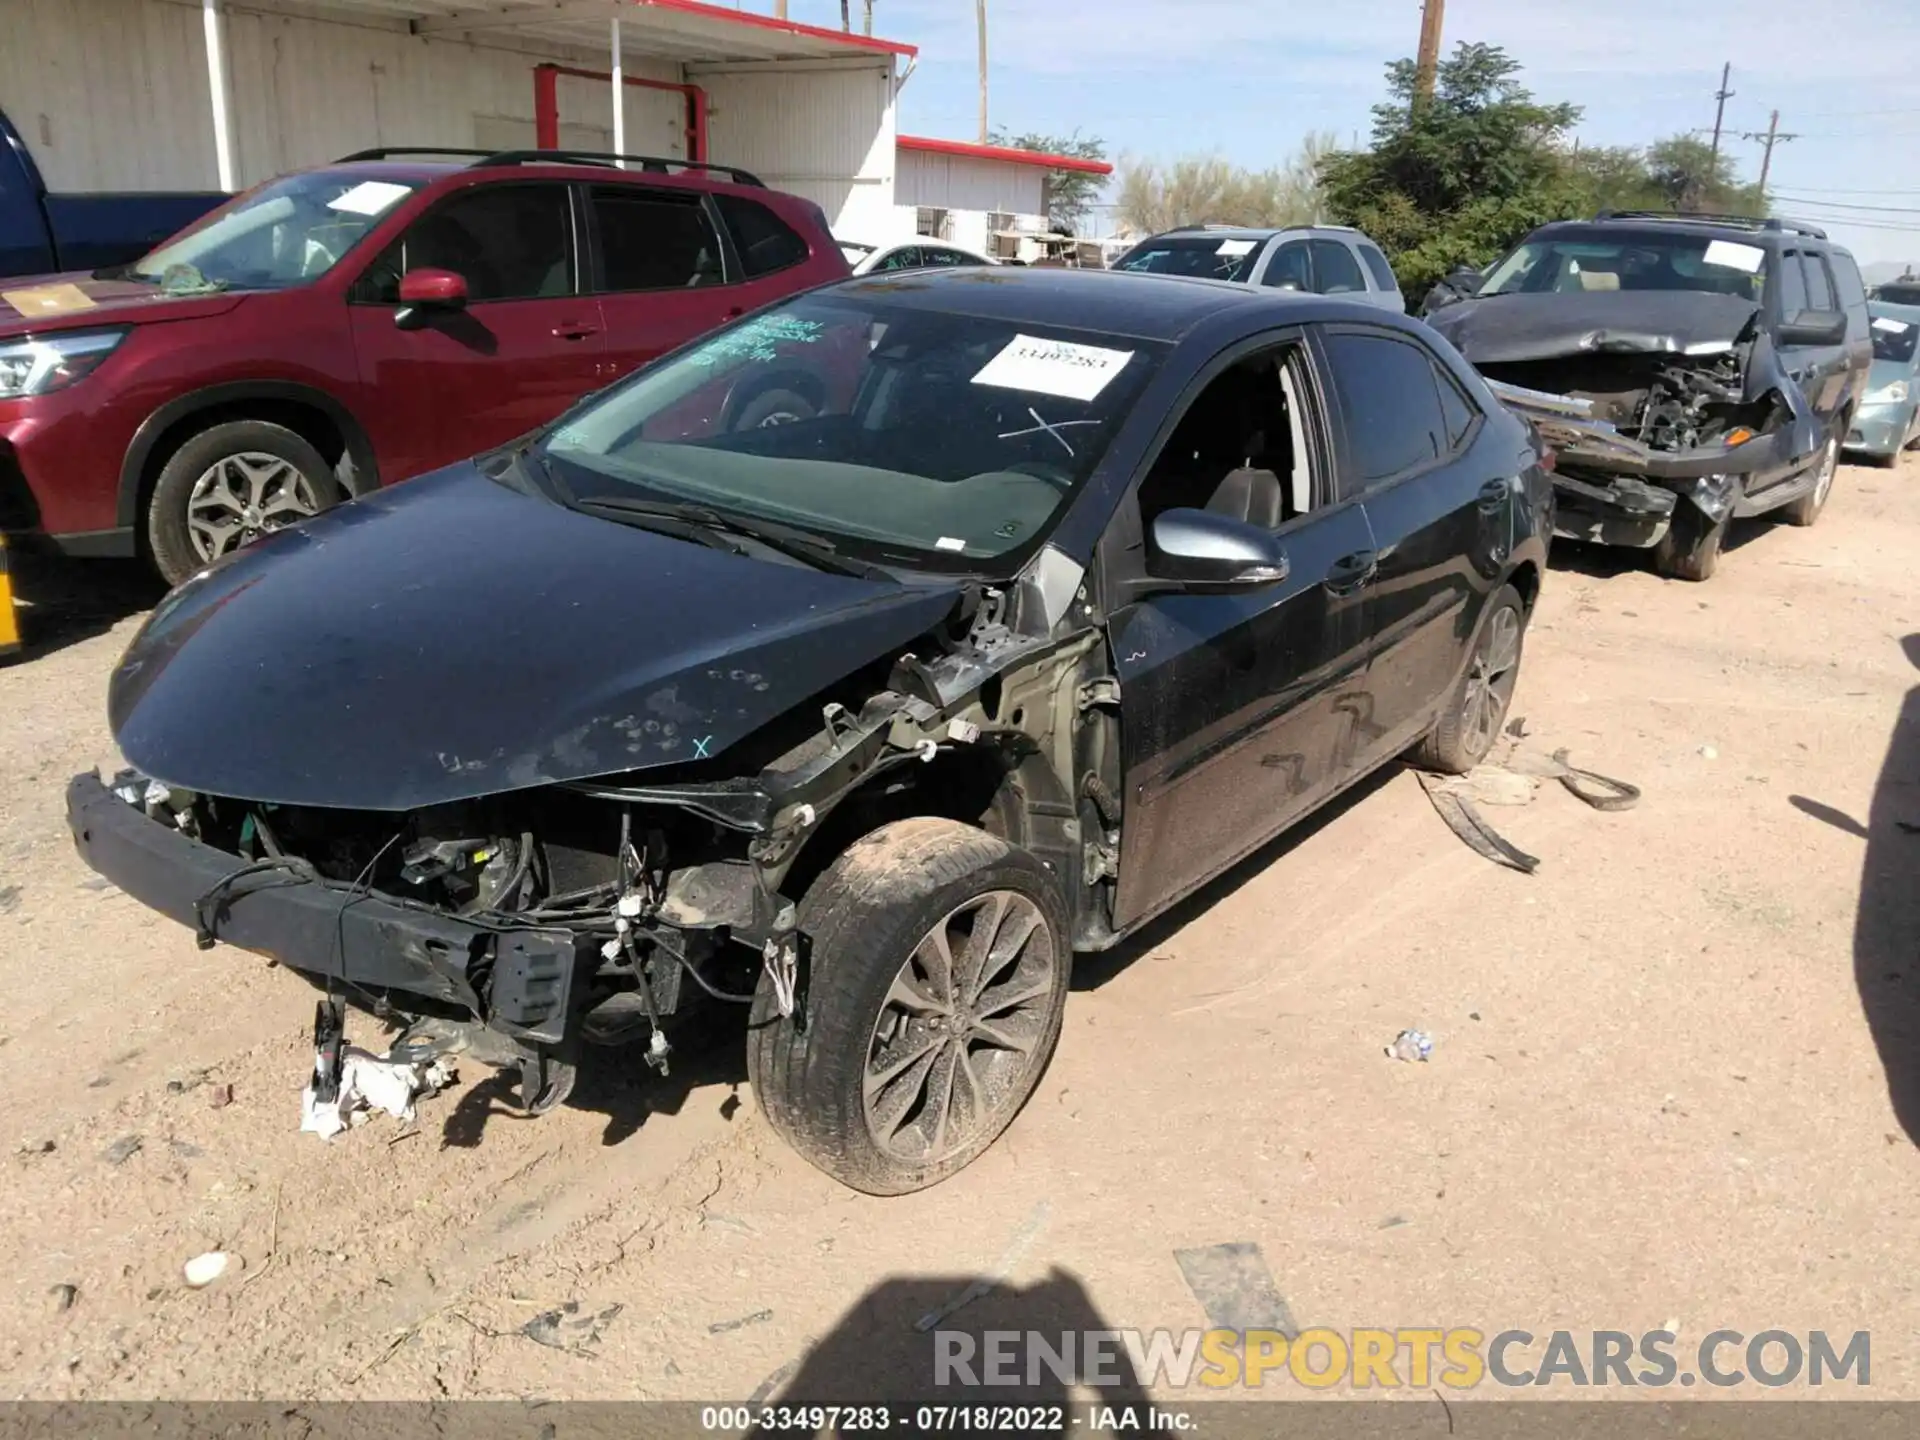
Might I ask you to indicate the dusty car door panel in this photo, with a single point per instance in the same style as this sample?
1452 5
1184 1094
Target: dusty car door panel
1442 519
525 346
1236 706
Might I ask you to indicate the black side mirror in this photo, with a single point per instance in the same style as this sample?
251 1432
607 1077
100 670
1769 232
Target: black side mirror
1205 551
1814 327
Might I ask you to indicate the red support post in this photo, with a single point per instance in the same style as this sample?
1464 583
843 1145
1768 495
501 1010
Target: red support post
546 105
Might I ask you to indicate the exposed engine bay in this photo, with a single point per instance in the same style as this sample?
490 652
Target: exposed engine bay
516 926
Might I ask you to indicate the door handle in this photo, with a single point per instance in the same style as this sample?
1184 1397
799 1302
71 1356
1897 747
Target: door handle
1350 572
574 330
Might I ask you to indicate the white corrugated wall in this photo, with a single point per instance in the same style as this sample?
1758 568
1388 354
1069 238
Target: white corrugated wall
960 182
824 130
112 94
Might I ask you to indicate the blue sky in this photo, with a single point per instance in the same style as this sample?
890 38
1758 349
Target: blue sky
1247 78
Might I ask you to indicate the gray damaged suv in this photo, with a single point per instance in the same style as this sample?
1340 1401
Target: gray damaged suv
1323 259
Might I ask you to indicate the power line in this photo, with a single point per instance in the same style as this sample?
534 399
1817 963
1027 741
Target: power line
1849 205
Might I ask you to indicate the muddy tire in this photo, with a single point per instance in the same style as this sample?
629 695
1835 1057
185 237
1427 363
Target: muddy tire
774 407
1690 550
1476 710
932 994
227 486
1807 508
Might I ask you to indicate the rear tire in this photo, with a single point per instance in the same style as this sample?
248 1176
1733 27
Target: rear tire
1807 508
898 972
1477 709
1690 550
229 485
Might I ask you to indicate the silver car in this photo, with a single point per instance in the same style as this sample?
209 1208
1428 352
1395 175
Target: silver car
1325 259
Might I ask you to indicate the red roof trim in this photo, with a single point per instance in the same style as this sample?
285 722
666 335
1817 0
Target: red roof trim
1005 155
768 22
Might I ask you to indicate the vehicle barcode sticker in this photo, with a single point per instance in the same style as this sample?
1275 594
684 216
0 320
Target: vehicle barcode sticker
1235 247
1053 367
947 542
1891 327
369 197
1746 258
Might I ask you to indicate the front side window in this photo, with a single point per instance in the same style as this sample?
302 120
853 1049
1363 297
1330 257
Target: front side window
1335 269
908 434
907 257
1389 405
1793 287
1604 259
654 241
508 242
282 234
1820 295
1211 257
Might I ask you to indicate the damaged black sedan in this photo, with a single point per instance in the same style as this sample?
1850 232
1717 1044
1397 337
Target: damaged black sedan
1686 370
1042 598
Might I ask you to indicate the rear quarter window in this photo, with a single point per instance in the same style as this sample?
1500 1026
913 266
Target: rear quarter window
766 242
1377 267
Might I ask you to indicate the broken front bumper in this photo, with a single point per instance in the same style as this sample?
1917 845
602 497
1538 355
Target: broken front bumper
519 982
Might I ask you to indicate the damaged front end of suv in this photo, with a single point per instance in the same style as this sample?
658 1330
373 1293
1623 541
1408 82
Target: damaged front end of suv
1651 402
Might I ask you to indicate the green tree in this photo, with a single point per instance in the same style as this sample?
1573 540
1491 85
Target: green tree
1455 181
1070 193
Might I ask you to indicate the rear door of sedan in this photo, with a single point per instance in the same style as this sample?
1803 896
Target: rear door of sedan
1441 511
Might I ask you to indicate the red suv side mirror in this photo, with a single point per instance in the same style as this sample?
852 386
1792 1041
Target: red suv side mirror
433 289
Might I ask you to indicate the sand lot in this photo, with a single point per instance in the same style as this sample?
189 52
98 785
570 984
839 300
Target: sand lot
1675 1074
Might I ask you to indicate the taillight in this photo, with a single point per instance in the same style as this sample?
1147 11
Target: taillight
1549 458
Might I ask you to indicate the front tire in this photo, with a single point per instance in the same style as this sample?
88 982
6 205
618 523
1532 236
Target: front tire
1477 709
1807 508
229 485
931 1004
1690 550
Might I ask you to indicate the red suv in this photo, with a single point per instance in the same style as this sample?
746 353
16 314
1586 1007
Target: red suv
344 327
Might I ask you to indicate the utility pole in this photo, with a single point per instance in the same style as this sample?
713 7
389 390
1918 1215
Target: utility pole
779 9
846 16
1773 137
1722 95
866 21
1427 67
980 9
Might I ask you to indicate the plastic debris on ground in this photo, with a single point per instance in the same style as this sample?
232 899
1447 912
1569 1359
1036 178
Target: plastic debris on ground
1411 1045
1510 775
203 1270
369 1083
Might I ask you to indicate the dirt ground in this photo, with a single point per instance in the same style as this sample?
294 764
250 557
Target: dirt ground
1657 1094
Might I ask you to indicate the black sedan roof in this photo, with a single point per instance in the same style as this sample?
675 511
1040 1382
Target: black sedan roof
1146 307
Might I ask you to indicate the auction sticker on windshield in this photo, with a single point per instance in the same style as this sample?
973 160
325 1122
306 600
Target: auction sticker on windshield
1235 247
369 197
1890 327
1053 367
1745 258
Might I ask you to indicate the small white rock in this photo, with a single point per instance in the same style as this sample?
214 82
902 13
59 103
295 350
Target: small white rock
203 1270
1709 753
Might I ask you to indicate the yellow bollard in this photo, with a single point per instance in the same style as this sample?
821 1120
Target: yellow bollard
9 618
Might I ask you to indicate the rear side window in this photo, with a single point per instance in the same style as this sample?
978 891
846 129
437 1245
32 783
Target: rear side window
654 241
1335 270
1389 406
1820 294
1846 276
1377 267
939 255
766 242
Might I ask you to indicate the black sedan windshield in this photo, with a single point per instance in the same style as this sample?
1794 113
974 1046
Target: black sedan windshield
1648 260
911 434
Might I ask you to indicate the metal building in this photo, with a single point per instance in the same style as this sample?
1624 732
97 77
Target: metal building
988 198
194 94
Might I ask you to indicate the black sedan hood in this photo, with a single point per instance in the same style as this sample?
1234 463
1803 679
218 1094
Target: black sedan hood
1510 329
454 637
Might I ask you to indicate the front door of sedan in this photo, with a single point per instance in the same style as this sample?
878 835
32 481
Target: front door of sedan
526 345
1232 701
1442 516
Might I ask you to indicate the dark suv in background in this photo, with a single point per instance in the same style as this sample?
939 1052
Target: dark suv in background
1687 368
344 327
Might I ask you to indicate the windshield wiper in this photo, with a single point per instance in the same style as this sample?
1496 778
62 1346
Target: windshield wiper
793 543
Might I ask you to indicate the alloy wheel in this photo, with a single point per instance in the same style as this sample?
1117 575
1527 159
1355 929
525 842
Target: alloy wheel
961 1029
239 498
1490 679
